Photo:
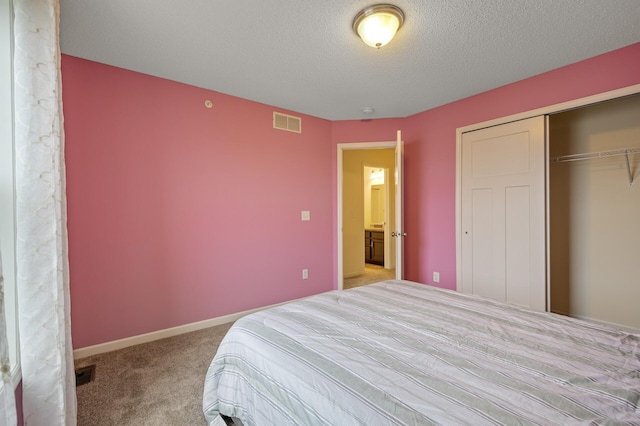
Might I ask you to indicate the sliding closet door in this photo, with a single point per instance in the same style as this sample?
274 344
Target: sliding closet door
503 213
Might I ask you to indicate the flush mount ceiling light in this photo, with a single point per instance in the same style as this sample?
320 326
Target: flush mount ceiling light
376 25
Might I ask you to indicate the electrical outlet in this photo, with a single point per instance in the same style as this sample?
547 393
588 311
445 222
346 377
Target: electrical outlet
436 277
305 274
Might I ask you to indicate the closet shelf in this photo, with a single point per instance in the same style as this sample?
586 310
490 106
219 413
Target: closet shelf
590 155
601 154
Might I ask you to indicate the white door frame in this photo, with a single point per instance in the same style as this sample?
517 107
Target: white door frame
341 148
551 109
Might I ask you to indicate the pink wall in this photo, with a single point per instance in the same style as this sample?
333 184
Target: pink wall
178 213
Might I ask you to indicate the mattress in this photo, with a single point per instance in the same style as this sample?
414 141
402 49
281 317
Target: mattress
402 353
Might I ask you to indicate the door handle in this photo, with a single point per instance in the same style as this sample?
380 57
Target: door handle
398 234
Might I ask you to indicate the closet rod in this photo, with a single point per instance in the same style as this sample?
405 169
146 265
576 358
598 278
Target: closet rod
590 155
601 154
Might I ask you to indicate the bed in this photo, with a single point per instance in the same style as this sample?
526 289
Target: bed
402 353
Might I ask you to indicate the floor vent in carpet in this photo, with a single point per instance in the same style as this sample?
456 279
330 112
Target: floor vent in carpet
85 374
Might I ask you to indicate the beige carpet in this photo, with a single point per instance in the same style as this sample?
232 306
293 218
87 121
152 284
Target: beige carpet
372 274
161 383
157 384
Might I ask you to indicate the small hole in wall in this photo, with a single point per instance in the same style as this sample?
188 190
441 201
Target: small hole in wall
208 103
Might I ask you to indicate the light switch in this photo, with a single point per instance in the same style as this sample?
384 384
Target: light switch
306 215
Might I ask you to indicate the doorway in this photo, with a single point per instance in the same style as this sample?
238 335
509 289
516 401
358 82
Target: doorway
377 212
379 258
352 158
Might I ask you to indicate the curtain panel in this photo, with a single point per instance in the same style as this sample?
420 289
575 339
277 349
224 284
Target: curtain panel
7 395
48 377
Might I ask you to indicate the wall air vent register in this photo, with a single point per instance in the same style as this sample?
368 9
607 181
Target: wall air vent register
286 122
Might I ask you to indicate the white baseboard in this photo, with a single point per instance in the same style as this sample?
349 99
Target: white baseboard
162 334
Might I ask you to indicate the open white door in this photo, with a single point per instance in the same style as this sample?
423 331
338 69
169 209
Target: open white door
399 233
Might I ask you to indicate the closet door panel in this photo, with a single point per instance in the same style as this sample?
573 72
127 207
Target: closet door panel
503 213
518 244
505 155
483 244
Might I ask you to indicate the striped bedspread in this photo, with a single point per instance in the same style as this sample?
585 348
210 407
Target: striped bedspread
401 353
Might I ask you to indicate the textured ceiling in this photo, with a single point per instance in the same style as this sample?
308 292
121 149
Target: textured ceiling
302 55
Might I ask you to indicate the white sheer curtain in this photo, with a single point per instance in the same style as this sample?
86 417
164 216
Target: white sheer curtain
7 395
48 378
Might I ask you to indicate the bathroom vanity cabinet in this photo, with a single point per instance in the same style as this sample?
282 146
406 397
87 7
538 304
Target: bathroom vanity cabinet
374 247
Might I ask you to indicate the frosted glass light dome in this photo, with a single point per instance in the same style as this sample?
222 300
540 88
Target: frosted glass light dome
377 25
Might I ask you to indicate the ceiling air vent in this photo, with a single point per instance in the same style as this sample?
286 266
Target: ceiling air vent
287 122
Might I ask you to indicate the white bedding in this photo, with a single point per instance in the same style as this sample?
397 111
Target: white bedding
403 353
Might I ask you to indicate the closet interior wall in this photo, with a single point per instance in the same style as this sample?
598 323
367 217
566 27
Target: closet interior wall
594 213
